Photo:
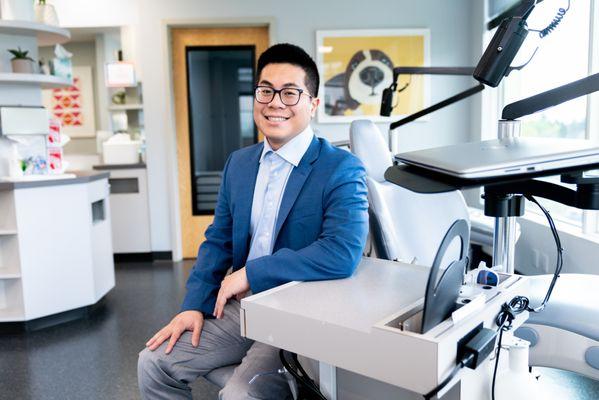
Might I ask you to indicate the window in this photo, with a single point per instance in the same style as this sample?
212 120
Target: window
563 56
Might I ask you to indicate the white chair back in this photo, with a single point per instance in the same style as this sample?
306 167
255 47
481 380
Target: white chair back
411 225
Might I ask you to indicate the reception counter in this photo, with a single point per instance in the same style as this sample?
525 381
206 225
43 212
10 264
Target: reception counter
55 246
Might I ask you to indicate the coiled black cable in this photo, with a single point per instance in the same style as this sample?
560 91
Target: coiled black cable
560 255
556 21
520 304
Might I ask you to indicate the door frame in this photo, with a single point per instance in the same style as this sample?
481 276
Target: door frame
170 125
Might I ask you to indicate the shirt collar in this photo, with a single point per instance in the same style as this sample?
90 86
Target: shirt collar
294 150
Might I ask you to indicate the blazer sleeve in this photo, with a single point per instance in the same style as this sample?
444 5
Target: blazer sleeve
214 256
337 251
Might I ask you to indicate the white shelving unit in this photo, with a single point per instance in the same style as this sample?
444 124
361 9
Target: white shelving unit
46 35
11 292
29 36
125 107
45 81
55 239
131 111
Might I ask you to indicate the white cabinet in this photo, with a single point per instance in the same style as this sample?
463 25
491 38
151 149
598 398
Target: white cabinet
55 250
130 208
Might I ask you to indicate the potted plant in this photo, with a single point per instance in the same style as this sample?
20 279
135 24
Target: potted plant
45 13
21 62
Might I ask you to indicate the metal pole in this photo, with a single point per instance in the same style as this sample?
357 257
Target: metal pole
504 241
504 235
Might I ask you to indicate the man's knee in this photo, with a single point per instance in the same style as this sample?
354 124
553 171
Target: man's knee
154 366
147 366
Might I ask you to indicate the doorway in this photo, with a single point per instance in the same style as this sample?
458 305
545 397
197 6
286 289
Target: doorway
213 77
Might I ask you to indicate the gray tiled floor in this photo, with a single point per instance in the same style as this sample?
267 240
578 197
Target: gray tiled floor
96 357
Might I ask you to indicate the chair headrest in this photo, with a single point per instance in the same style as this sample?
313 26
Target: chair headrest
368 144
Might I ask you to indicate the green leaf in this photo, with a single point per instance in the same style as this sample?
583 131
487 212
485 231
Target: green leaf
19 54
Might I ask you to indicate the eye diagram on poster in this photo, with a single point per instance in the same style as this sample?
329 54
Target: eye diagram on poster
356 65
74 106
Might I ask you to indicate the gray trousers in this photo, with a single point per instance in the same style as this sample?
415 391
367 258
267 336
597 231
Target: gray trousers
164 376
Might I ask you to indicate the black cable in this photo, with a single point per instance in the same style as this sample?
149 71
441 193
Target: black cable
298 365
453 373
561 12
560 256
309 381
497 353
401 90
303 381
520 304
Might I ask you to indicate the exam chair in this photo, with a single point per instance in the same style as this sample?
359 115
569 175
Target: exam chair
565 335
404 225
409 226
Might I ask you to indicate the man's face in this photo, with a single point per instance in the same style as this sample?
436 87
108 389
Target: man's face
278 122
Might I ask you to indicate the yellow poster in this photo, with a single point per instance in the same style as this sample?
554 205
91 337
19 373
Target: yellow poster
356 66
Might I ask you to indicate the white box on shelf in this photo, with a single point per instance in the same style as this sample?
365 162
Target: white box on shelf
121 152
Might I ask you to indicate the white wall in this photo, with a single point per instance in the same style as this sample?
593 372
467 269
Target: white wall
449 23
84 54
87 13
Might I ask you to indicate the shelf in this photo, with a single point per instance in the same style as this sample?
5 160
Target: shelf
10 315
47 35
9 275
8 232
123 107
11 300
45 81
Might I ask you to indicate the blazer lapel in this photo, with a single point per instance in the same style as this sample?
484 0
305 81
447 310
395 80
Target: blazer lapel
247 176
296 182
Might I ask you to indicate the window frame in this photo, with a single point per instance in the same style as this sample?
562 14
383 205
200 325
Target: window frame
494 101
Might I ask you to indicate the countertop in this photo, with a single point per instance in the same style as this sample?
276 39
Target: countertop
82 177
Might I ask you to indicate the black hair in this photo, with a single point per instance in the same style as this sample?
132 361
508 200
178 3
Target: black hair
286 53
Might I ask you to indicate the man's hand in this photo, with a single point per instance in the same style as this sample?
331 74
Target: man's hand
185 321
233 284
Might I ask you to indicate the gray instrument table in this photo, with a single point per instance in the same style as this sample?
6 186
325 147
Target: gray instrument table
352 324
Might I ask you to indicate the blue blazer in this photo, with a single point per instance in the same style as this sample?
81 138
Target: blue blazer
320 230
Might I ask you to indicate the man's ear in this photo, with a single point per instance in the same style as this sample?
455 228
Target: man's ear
314 106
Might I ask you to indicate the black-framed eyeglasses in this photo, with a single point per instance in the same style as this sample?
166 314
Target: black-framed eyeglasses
289 96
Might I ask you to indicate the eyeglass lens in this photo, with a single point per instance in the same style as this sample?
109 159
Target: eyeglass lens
289 96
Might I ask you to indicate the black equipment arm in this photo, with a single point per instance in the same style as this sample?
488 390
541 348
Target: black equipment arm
551 97
431 71
438 106
387 98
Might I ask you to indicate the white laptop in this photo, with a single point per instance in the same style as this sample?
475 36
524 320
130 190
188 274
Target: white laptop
491 158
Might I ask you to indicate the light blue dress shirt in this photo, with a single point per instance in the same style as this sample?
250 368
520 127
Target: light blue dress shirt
273 173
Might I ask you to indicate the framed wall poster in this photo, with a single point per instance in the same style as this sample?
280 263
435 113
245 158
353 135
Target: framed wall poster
356 65
74 106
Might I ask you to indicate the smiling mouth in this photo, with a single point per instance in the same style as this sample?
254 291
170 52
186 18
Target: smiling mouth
276 119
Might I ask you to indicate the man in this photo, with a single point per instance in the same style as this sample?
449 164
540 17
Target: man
291 208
